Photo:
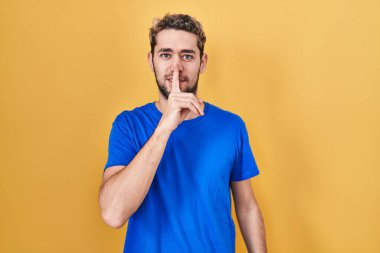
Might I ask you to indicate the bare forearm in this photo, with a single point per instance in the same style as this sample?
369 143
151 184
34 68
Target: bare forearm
252 228
122 194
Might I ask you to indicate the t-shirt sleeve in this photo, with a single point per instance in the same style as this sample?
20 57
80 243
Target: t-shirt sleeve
120 146
244 165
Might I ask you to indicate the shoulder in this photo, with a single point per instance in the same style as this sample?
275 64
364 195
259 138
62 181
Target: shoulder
130 114
228 117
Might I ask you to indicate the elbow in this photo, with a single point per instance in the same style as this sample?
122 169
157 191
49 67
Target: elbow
116 218
113 215
114 221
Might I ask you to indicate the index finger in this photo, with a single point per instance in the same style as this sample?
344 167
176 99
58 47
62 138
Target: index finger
175 80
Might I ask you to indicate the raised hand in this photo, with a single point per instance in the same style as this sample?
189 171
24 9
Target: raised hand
179 105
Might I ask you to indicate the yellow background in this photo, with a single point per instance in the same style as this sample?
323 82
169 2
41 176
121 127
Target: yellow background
304 75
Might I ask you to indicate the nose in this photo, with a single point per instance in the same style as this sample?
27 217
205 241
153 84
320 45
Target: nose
177 64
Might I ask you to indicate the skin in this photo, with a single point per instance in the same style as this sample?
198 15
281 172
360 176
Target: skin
249 216
176 63
176 55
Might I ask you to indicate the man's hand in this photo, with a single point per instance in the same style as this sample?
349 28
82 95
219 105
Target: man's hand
179 104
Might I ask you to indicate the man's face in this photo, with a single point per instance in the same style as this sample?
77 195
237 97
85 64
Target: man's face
177 47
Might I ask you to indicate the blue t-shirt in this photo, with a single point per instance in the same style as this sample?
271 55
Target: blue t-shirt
188 205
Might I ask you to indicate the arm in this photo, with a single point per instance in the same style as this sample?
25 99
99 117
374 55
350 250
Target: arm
249 216
124 188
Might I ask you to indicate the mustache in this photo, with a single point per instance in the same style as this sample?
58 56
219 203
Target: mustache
181 78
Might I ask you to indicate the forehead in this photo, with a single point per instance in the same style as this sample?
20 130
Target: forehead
176 40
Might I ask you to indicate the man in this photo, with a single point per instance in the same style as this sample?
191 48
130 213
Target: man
172 162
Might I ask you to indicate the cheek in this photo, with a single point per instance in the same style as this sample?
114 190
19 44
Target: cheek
161 68
160 72
193 72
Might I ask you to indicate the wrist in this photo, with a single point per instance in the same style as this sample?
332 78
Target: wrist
162 130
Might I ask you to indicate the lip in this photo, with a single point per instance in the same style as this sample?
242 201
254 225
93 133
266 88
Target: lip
180 80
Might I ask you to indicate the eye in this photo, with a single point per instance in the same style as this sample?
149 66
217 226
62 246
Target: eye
188 57
165 56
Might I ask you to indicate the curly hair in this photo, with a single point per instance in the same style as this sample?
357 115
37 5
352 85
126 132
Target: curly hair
179 22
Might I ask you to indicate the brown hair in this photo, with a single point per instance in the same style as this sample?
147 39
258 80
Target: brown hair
178 22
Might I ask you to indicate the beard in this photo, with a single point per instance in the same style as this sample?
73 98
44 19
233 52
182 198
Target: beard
164 90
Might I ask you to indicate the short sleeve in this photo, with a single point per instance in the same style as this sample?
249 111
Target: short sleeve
120 146
244 165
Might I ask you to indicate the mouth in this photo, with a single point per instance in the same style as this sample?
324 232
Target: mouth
180 80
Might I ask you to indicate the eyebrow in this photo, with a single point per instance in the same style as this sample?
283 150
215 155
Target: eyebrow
189 51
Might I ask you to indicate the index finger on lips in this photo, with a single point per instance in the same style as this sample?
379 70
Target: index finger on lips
175 80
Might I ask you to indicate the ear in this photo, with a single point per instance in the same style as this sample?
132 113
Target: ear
150 61
203 62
